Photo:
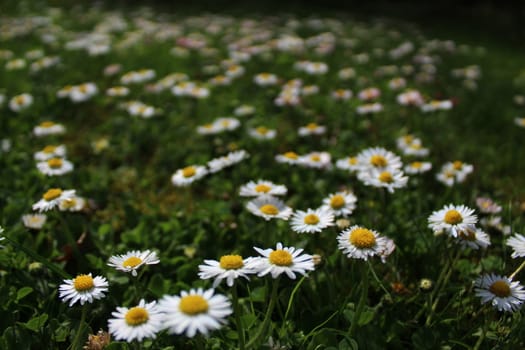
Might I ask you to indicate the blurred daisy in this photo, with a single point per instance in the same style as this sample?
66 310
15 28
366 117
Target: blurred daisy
51 151
117 91
137 108
308 90
48 128
454 172
185 176
34 221
346 73
208 129
136 323
517 243
379 159
228 160
369 108
55 166
451 219
287 260
312 129
244 110
340 203
52 199
487 206
349 163
316 160
261 188
75 203
132 260
500 291
195 311
20 102
288 158
474 238
417 167
519 122
369 94
83 288
361 243
410 98
262 133
83 92
436 105
341 94
269 207
229 268
265 79
311 220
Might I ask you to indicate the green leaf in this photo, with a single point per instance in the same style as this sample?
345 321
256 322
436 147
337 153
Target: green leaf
156 285
366 317
23 292
36 323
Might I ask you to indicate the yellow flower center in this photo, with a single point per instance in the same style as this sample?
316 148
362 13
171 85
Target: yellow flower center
312 126
262 188
132 261
49 149
362 238
207 126
281 258
20 100
231 262
52 193
352 160
269 209
457 165
193 305
83 283
47 124
189 171
416 165
378 161
55 163
291 155
69 203
262 130
136 316
500 288
225 123
453 217
386 176
311 219
337 201
315 158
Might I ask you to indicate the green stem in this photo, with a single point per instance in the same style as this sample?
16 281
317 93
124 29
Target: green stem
377 279
362 300
262 328
75 345
517 270
237 310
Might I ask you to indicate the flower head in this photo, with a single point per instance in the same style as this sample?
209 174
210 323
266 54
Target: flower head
451 219
262 188
312 220
517 243
269 207
131 261
287 260
229 268
136 323
83 288
500 291
361 243
52 199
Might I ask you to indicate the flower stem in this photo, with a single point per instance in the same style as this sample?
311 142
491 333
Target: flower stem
253 343
517 270
75 345
362 300
237 310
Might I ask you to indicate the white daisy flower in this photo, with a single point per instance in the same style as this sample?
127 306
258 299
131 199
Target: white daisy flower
269 207
379 159
48 128
51 151
229 268
34 221
474 238
262 133
52 199
209 129
74 204
500 291
228 160
196 311
318 160
288 158
341 94
369 108
340 203
83 288
311 129
265 79
185 176
517 243
417 167
55 166
369 94
288 260
136 323
488 206
117 91
132 260
349 163
361 243
20 102
244 110
312 220
451 219
83 92
389 179
261 188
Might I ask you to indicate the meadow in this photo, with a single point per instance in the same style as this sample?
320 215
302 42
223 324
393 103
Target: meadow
214 181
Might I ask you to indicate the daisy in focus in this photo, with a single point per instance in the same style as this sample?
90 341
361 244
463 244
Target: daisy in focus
340 203
229 268
83 288
194 311
500 291
287 260
186 176
517 243
52 199
452 219
261 188
133 260
358 242
136 323
311 220
268 208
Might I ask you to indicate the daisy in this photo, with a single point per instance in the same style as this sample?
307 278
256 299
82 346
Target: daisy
288 158
132 260
316 160
417 167
340 203
185 176
52 199
451 219
73 204
390 180
262 133
346 73
227 124
48 128
194 311
379 159
261 188
83 288
51 151
410 98
136 323
397 83
20 102
312 220
209 129
473 238
369 108
369 94
288 260
34 221
519 122
265 79
312 129
55 166
487 206
117 91
229 268
141 109
244 110
349 163
517 243
341 94
500 291
228 160
436 105
361 243
269 207
83 92
308 90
